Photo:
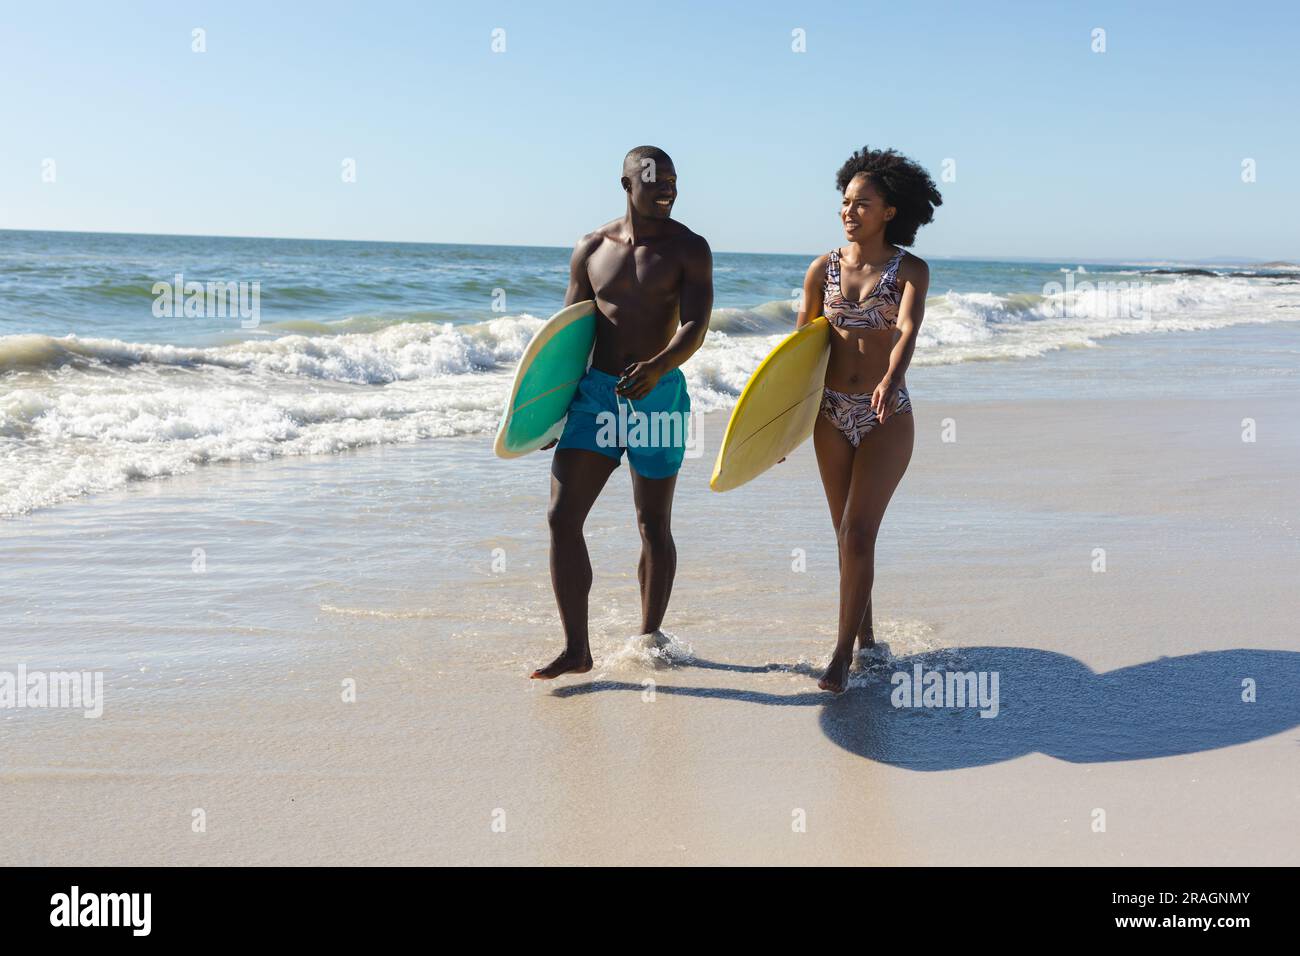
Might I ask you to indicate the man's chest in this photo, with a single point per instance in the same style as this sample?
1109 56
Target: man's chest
641 269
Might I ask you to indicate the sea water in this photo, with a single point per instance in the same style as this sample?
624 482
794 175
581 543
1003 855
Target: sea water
105 378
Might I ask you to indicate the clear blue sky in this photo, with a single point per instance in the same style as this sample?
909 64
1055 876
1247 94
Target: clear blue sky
1060 151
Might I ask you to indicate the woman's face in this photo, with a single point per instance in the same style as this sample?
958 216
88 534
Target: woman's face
864 211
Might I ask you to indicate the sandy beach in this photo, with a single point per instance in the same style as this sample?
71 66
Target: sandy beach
231 610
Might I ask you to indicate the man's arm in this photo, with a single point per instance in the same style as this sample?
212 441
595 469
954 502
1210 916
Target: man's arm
695 305
580 289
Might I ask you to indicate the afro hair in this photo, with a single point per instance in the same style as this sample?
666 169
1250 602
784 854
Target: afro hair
905 185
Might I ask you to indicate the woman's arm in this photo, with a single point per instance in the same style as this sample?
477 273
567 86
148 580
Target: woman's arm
915 276
813 285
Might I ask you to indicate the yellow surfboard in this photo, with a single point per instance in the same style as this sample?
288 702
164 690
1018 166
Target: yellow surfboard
778 408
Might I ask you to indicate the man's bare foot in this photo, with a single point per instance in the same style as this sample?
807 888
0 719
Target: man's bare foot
836 678
566 663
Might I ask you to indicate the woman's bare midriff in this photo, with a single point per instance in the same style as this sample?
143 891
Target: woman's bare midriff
859 359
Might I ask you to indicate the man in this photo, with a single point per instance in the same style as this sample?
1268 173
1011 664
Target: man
652 280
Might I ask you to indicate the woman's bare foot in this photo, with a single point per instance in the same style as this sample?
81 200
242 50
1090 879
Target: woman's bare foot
566 663
836 678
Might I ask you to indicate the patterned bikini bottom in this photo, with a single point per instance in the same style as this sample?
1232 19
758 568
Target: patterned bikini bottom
853 414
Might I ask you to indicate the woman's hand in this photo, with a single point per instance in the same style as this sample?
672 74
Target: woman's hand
885 398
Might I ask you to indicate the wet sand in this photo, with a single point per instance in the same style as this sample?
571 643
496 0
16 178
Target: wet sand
419 573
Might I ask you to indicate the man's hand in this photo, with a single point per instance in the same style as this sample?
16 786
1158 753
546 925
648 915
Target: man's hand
639 380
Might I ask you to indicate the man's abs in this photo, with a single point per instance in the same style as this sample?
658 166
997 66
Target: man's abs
631 336
637 291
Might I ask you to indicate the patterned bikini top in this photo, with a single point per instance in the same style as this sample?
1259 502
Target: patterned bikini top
879 310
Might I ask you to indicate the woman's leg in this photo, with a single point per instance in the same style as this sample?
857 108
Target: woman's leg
878 466
835 461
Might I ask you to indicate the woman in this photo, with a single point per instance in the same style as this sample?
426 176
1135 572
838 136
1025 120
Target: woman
873 295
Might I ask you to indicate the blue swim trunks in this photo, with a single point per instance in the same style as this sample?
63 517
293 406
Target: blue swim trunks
654 430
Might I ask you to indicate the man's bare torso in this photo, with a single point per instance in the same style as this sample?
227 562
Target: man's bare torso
637 288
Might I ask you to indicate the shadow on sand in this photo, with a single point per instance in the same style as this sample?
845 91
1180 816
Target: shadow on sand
1047 703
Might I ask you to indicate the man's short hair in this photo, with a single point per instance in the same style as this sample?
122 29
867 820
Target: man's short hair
632 161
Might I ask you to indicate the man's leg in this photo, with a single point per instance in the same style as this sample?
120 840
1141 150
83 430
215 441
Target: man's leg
577 477
658 565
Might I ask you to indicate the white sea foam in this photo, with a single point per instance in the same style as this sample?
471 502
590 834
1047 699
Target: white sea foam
983 326
83 415
399 352
655 651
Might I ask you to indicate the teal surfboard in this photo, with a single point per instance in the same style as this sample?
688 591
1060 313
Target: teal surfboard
546 381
